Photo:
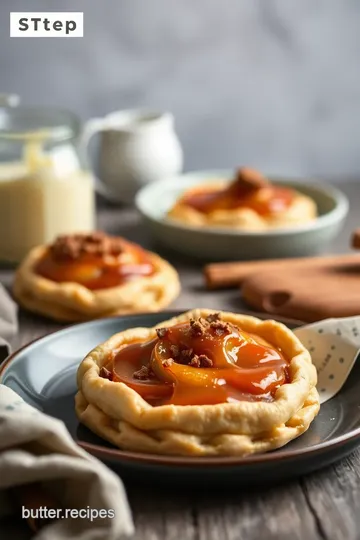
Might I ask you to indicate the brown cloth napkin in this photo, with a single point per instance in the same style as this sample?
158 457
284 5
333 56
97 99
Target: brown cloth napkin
8 322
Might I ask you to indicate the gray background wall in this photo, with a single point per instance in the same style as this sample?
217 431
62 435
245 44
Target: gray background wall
272 83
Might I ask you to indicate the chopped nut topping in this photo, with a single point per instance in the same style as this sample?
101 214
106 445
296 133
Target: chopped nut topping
105 373
205 361
161 332
213 317
195 362
198 327
175 350
71 247
181 354
221 327
201 360
249 179
168 362
189 358
145 372
185 355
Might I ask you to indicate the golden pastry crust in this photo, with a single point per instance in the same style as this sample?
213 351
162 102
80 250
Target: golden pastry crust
72 302
302 210
120 415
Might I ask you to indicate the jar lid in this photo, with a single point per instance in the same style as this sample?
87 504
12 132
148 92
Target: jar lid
9 100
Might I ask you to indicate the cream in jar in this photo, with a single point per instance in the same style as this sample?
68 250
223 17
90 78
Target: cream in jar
42 196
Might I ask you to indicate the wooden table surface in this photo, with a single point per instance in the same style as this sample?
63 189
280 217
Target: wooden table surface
325 505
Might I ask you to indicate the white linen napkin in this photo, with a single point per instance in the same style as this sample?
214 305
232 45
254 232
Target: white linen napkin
40 464
334 345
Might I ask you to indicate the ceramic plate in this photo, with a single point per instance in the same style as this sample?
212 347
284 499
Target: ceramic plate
211 243
44 372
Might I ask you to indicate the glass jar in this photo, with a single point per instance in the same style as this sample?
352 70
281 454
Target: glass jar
45 187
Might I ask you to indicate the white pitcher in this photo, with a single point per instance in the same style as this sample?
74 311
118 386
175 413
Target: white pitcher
136 147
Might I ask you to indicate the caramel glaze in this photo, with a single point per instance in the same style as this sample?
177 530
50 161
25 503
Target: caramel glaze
242 367
97 271
265 201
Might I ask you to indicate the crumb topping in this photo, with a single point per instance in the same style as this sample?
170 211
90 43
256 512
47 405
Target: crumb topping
213 317
201 326
250 180
72 246
144 373
181 354
205 361
189 358
197 327
161 332
105 373
221 327
201 361
168 362
175 350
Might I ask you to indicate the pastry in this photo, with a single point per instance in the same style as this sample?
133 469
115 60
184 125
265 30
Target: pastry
200 384
87 276
250 202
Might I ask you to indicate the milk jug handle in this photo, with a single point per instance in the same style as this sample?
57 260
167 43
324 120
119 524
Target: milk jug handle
91 128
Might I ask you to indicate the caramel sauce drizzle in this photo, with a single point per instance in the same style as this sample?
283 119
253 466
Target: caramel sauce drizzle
249 190
95 267
199 363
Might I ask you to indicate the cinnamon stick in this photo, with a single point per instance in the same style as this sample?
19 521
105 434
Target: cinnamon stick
355 241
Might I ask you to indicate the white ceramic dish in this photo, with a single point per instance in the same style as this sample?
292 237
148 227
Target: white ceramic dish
210 243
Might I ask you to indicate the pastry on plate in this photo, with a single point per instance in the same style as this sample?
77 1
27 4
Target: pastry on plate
200 384
250 202
87 276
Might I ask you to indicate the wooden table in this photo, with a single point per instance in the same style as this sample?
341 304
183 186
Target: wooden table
325 505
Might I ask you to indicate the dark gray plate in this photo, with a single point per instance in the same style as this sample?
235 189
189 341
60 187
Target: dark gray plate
43 373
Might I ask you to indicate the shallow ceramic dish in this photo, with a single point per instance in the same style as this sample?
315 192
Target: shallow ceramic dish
211 243
43 373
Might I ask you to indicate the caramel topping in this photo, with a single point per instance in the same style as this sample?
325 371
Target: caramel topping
204 361
197 327
250 189
95 260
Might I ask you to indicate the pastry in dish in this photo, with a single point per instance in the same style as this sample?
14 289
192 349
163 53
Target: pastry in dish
86 276
199 384
249 202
